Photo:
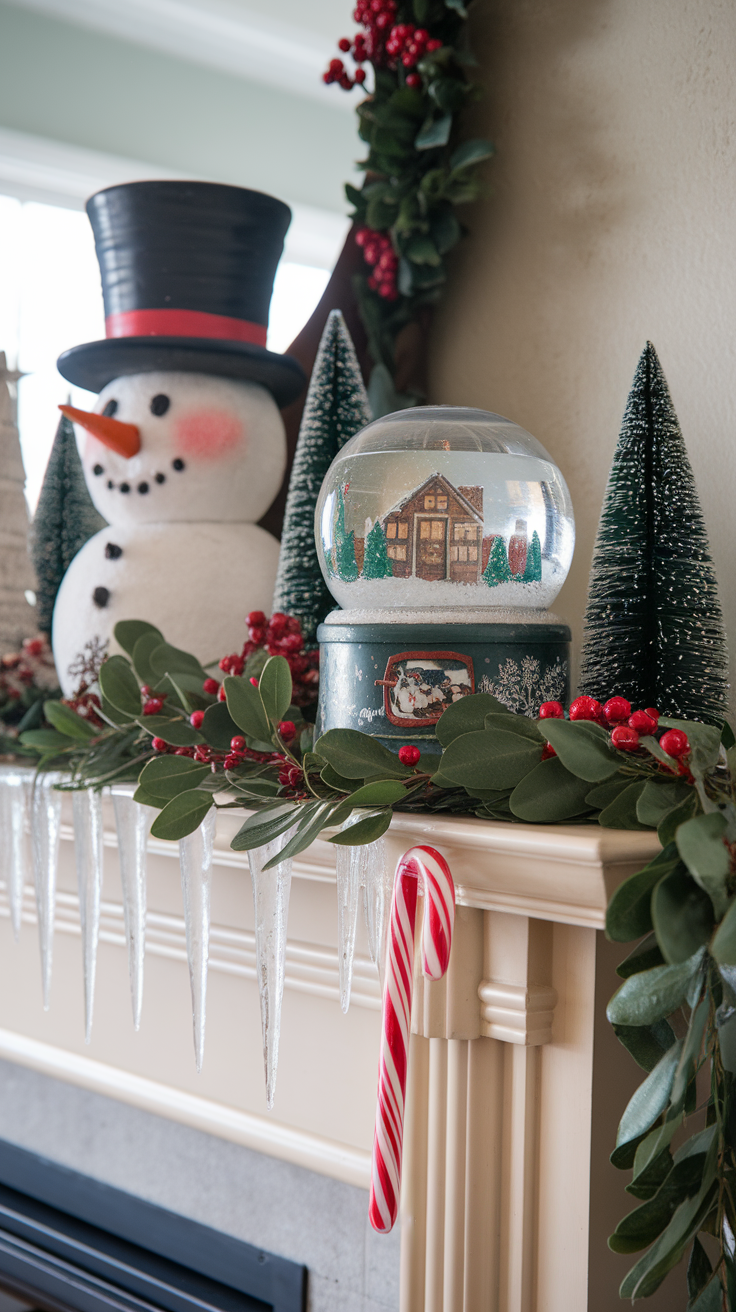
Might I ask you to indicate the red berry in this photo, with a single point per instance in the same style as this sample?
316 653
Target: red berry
548 751
617 709
196 718
414 81
210 685
343 44
145 690
254 681
287 730
433 45
551 711
652 710
642 722
202 754
295 775
255 619
34 646
159 745
153 706
222 695
409 755
336 66
586 708
231 762
624 738
359 76
285 776
675 743
237 744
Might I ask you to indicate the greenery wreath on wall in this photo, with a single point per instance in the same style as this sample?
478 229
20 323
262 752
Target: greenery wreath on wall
418 171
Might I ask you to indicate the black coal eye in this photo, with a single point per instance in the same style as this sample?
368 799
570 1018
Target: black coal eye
178 464
110 409
160 404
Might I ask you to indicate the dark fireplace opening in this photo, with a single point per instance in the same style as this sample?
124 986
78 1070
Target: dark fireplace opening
72 1244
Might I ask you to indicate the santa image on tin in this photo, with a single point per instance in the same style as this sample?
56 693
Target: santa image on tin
184 449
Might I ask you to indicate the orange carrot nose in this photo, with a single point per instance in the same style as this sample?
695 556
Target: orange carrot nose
120 437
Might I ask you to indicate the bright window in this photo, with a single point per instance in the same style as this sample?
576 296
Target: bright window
50 299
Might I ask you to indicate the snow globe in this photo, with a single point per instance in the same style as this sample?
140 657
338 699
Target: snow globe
444 535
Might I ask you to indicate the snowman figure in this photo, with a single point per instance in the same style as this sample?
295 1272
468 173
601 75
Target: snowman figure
185 448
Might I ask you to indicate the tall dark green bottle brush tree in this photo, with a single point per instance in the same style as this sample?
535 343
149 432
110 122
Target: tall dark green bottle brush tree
65 519
653 625
336 408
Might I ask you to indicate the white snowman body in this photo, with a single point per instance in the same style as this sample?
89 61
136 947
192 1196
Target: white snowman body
182 548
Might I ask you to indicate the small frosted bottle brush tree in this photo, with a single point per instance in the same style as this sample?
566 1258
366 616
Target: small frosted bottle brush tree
653 625
335 410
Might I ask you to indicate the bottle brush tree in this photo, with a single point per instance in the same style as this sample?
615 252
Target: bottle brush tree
497 570
335 410
653 625
65 519
533 568
376 562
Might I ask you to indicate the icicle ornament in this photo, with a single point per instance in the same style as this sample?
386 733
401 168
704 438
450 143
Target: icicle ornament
88 849
359 868
378 883
15 863
271 892
45 833
132 822
195 861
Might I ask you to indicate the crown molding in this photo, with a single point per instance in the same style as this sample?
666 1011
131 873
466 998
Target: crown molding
55 173
217 34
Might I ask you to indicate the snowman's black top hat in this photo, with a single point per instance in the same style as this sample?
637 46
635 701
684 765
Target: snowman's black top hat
187 276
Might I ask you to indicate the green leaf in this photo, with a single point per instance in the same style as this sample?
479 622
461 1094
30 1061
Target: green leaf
364 831
141 656
458 6
253 787
384 792
682 915
495 759
723 947
699 1271
167 776
646 1043
467 715
549 793
711 1299
67 721
275 688
355 755
520 724
266 824
166 659
434 132
658 798
583 748
653 994
246 707
688 1062
603 794
622 812
704 739
120 686
338 781
645 955
127 633
147 799
629 909
182 815
177 733
672 821
701 846
471 152
308 829
422 250
650 1099
652 1149
47 740
641 1227
218 727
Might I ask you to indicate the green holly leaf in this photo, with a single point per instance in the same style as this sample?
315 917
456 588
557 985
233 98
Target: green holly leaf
119 686
182 815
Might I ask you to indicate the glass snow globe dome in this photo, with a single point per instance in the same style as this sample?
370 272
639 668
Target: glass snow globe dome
444 508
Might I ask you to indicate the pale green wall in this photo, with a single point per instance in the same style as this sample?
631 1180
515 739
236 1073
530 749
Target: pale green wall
81 87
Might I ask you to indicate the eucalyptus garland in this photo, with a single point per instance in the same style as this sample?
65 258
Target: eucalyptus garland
190 742
417 170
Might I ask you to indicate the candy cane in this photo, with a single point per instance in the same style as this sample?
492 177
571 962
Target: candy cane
425 866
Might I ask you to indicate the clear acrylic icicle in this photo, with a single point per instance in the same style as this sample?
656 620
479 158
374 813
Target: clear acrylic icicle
271 891
350 869
195 861
15 865
45 833
378 882
88 849
132 822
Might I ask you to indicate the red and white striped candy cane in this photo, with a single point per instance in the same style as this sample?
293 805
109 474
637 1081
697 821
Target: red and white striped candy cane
425 865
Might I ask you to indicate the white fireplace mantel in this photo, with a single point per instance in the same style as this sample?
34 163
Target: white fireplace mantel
516 1081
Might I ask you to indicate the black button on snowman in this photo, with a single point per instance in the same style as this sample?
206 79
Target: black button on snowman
185 448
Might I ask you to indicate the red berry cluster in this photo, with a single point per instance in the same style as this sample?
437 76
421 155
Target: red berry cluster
409 44
627 727
409 755
337 72
379 253
32 666
280 636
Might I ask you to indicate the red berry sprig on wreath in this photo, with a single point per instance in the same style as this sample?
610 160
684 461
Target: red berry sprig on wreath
626 727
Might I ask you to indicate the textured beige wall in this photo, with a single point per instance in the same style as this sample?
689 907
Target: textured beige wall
612 220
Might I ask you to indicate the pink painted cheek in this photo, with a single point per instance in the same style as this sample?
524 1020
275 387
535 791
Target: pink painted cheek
209 433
